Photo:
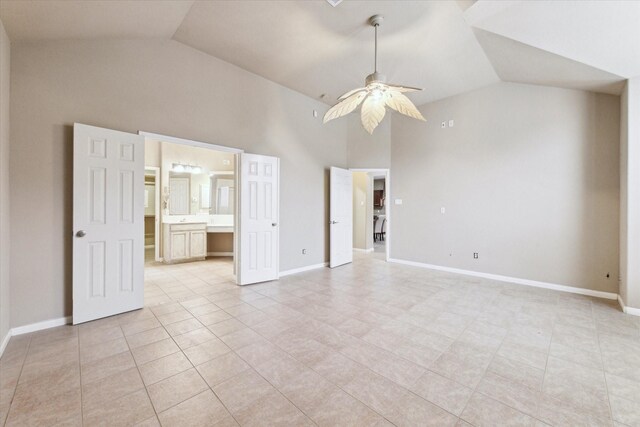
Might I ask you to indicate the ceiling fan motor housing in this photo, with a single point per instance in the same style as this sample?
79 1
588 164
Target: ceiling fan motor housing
375 77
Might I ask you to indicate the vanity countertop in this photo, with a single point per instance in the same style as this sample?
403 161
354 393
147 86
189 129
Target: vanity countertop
187 219
219 228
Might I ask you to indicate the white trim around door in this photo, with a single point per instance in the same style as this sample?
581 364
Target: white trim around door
387 208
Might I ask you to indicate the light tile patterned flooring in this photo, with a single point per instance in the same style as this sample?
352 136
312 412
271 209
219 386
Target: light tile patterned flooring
366 344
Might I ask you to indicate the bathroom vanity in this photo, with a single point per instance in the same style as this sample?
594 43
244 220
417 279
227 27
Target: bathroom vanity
184 241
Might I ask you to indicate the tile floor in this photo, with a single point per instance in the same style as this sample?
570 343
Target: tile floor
370 343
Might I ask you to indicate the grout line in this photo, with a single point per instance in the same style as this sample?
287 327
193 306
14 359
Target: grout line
135 362
13 394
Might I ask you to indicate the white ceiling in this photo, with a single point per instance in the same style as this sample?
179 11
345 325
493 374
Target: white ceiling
95 19
316 49
446 47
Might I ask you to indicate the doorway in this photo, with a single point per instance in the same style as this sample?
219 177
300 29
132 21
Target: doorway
371 211
192 207
151 214
109 218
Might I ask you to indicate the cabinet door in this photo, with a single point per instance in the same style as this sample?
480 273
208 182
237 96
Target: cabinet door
198 245
179 245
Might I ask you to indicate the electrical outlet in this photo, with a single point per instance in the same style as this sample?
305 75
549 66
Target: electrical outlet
475 255
304 252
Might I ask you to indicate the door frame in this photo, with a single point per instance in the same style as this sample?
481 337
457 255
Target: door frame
206 145
387 206
156 237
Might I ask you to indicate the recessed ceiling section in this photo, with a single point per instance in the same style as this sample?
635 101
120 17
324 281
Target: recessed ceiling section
96 19
316 49
519 63
602 34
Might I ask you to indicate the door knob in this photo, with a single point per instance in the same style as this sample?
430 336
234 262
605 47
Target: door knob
333 222
273 224
81 233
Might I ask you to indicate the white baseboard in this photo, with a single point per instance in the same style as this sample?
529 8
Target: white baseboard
627 309
515 280
303 269
219 253
4 342
33 327
363 250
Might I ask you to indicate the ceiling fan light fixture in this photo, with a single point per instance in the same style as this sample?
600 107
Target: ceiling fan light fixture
375 96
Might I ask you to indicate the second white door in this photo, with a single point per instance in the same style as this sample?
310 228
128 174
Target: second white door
340 217
258 216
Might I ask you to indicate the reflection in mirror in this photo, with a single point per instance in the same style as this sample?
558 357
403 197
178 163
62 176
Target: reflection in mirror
222 193
179 193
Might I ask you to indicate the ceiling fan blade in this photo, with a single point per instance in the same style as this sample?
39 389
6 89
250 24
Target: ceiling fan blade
373 112
400 88
351 92
403 105
344 107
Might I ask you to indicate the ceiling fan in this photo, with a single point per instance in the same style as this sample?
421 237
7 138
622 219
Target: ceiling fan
375 95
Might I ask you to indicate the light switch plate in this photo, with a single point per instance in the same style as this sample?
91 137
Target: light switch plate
450 123
443 125
398 201
442 210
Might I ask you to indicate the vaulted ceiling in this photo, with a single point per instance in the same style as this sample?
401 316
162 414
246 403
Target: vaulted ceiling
446 47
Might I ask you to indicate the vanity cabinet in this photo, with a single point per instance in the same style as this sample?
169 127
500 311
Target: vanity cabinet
184 242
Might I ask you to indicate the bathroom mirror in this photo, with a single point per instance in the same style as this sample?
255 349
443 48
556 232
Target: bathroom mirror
189 193
222 193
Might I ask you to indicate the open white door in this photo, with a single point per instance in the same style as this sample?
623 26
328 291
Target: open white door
258 218
108 222
341 217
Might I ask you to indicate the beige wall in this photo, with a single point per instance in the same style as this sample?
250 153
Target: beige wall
4 184
162 87
630 194
529 178
362 210
219 242
368 151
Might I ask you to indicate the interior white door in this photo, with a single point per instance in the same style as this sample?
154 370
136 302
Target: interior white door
341 217
258 218
108 222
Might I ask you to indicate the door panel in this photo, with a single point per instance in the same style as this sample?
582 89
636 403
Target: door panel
108 222
258 218
341 217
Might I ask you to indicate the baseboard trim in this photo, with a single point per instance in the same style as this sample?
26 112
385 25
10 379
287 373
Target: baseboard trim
34 327
363 250
514 280
219 253
5 341
627 309
303 269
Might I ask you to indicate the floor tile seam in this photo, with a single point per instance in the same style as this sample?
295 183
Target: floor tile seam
337 385
144 385
323 377
199 374
13 392
606 382
475 387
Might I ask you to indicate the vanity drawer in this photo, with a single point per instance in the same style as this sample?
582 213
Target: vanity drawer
189 227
